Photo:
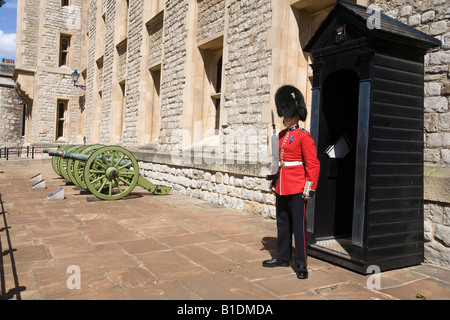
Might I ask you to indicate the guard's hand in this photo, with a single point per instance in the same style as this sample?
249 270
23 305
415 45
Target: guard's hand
272 189
306 198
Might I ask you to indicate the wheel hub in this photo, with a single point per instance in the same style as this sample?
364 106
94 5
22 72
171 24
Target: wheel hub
111 173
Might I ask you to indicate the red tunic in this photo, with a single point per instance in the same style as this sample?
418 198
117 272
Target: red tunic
297 145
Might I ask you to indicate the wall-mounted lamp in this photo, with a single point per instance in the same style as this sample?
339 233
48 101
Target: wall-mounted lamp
75 76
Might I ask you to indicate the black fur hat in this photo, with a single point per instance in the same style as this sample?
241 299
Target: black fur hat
290 102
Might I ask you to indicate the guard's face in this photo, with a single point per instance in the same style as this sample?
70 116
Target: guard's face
290 121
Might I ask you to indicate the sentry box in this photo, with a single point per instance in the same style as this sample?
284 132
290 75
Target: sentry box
367 118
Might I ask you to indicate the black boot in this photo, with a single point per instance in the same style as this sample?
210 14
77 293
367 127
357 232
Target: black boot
275 263
302 272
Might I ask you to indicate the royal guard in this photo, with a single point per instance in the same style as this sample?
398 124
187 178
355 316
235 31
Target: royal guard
295 182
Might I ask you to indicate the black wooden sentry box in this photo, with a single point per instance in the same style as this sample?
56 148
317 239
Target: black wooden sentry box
367 120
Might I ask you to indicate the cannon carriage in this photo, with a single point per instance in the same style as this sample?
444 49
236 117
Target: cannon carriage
108 172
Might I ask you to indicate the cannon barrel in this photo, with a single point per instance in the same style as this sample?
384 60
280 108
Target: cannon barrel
81 157
67 155
85 158
75 156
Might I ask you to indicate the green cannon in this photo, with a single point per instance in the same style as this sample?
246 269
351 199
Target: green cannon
108 172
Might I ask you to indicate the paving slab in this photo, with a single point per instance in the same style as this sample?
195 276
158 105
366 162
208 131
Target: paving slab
147 247
170 265
226 285
423 289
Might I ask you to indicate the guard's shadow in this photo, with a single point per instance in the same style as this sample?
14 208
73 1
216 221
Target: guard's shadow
270 244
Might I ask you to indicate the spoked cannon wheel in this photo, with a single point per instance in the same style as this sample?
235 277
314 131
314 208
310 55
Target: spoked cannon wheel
78 166
55 160
73 175
63 164
111 173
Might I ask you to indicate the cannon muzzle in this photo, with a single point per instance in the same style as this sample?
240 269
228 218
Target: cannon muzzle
53 153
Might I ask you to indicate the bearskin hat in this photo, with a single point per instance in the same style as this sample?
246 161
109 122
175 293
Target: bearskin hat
290 102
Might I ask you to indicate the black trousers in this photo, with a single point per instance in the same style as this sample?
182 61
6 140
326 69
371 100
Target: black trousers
291 219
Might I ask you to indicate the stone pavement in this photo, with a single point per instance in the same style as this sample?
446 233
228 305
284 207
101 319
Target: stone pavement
161 248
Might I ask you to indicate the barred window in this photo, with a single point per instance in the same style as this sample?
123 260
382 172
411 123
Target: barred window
64 51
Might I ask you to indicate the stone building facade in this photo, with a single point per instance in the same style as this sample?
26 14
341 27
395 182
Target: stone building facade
188 86
50 46
11 110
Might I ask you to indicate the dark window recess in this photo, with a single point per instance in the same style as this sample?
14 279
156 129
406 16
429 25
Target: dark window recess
62 107
64 51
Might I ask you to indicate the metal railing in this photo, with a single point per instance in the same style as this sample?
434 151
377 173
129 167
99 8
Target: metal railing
19 152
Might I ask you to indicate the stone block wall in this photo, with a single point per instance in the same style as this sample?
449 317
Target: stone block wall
210 18
232 177
29 45
246 72
432 17
44 22
247 87
54 82
242 192
92 66
133 63
11 110
109 8
173 75
155 42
